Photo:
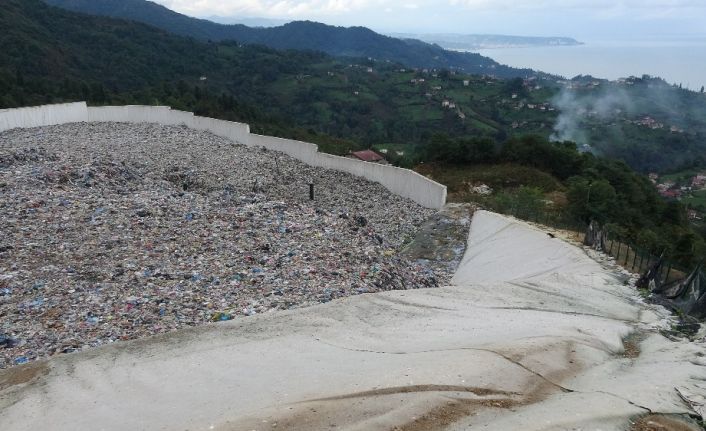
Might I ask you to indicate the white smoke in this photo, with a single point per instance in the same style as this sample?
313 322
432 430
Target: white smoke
578 108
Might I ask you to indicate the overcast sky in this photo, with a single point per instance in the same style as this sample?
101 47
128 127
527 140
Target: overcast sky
586 19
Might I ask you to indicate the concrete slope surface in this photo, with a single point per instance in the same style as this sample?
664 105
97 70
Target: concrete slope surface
533 335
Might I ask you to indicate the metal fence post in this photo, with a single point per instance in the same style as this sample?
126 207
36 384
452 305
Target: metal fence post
634 259
617 256
669 269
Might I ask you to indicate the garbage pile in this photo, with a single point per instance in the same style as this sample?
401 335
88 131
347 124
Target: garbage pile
118 231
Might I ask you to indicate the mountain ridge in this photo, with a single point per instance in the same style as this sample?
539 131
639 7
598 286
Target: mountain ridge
300 35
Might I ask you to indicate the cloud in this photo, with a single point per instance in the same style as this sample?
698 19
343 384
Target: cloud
578 4
274 8
607 9
524 16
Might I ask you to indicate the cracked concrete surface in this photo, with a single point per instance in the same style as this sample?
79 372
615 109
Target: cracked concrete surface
529 336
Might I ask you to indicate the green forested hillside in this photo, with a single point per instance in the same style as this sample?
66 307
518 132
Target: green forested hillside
302 35
100 59
648 123
57 55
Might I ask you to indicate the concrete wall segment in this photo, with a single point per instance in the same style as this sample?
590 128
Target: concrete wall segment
37 116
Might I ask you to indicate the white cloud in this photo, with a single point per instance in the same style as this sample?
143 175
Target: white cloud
319 8
558 5
270 8
604 9
530 17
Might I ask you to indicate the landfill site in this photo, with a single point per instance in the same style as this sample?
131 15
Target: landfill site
163 278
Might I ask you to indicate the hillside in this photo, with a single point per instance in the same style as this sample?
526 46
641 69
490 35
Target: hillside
355 99
57 55
650 124
44 42
301 35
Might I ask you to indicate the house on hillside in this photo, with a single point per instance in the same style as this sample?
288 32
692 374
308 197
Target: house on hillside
663 187
694 215
671 194
699 181
368 156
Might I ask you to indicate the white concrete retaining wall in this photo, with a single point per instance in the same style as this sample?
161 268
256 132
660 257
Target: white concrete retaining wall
402 182
237 132
47 115
131 114
304 151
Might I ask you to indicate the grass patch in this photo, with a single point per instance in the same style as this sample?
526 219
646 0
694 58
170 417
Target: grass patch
421 112
696 200
499 177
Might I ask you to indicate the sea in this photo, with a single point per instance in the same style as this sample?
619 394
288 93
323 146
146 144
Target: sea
676 61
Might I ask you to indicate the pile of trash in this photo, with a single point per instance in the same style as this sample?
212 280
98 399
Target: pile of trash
117 231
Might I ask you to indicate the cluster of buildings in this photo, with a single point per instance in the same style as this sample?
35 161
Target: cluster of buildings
580 85
538 106
653 124
649 122
673 190
699 181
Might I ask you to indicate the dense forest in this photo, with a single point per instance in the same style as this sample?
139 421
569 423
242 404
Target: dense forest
650 125
443 120
530 169
301 35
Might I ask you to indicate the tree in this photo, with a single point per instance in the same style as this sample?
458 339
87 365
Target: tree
529 200
591 199
648 240
523 202
182 87
702 88
440 148
516 86
559 159
97 93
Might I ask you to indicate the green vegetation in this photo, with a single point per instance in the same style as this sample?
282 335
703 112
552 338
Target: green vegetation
534 176
696 200
301 35
651 125
56 56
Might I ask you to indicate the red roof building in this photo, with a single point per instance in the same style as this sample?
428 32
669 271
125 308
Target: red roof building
674 194
368 156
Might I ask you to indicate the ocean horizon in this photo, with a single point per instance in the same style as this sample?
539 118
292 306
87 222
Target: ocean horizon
676 61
